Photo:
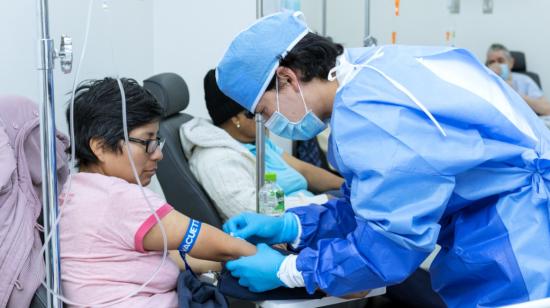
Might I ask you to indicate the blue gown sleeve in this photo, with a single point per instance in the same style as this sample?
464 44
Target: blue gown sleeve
386 245
399 185
332 219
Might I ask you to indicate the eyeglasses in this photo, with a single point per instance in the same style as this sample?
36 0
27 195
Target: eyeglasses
151 145
249 115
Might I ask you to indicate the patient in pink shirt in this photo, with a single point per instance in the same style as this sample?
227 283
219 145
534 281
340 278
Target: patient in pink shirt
110 241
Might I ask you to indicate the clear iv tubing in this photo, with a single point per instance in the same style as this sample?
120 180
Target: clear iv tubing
66 200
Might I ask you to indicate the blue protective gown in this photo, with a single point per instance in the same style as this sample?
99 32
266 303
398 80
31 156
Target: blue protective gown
478 187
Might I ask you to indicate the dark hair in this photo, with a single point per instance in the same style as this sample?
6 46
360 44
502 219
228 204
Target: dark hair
98 114
500 47
314 56
220 107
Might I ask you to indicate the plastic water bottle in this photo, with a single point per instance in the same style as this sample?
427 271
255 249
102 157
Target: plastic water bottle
272 197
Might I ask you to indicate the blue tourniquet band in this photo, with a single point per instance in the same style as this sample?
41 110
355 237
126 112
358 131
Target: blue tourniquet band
189 239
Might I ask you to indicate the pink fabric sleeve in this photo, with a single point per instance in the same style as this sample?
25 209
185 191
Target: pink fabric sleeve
130 217
148 224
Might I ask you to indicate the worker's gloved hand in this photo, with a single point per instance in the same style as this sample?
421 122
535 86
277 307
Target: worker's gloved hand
257 228
258 272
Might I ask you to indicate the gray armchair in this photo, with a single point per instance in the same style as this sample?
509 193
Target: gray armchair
179 185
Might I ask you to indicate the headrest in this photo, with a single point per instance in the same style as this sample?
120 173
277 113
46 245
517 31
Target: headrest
170 90
519 61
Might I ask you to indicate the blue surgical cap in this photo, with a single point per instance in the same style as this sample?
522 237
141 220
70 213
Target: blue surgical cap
250 62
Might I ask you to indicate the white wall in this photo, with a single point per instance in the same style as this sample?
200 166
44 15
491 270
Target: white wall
18 48
185 37
345 21
519 25
190 38
132 33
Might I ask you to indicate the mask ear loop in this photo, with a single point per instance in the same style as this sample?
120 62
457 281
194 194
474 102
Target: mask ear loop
303 99
301 95
299 89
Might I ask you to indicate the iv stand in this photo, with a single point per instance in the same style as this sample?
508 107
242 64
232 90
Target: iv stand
368 40
47 57
260 135
260 159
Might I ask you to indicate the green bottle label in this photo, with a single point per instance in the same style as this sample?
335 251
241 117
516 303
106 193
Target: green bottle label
280 201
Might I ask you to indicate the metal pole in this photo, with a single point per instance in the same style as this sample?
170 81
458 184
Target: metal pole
259 9
260 157
324 18
260 134
368 40
260 162
367 18
47 142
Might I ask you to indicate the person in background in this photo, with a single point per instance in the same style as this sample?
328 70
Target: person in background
222 157
500 61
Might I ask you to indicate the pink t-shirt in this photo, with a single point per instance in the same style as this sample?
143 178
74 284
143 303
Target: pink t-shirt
101 243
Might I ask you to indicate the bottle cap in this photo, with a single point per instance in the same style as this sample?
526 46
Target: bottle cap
271 177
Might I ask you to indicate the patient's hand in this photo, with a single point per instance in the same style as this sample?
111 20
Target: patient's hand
280 246
197 265
356 295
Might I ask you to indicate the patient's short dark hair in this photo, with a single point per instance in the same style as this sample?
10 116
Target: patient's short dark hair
98 114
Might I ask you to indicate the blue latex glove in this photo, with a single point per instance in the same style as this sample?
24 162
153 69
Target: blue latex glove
257 228
258 272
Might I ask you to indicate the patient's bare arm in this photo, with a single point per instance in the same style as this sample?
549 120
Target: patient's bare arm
211 244
540 106
318 179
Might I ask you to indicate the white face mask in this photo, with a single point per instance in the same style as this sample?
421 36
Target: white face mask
306 128
504 71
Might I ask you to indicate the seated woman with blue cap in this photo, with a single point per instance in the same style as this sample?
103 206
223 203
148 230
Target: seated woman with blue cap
111 242
222 157
433 147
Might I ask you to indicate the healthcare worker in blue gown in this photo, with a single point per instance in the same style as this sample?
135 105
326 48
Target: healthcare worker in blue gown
434 148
